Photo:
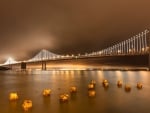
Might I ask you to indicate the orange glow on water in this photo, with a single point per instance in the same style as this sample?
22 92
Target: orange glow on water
119 75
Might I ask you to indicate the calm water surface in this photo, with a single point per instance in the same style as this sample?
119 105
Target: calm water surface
112 100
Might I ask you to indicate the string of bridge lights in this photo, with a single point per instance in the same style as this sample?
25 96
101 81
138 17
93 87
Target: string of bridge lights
137 44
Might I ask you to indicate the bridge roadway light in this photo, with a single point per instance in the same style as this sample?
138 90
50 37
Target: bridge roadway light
143 49
53 57
130 50
72 55
86 54
100 52
61 57
119 51
147 48
67 56
57 57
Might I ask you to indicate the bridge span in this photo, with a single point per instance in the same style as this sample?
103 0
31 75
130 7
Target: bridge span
133 52
112 62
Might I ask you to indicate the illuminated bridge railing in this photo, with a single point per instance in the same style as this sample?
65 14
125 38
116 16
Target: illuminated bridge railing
138 44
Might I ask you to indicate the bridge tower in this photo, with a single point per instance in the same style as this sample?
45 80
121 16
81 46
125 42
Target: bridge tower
43 56
10 61
149 48
43 65
23 66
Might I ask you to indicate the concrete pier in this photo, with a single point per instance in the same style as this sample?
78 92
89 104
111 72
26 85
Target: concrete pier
43 65
23 66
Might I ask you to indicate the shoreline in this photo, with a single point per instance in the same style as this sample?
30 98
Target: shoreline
105 68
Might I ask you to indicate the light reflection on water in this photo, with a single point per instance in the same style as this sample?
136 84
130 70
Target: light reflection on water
113 100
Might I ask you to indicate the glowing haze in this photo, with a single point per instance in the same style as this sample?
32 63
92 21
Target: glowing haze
68 26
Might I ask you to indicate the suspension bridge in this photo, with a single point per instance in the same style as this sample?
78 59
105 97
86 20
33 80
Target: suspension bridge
138 45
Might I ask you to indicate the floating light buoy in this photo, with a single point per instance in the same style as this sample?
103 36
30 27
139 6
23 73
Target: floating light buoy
13 96
46 92
93 82
127 88
91 86
105 83
119 83
73 89
64 97
139 85
27 104
91 93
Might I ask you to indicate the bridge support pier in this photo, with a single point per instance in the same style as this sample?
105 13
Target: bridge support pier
148 40
43 65
149 52
23 66
149 59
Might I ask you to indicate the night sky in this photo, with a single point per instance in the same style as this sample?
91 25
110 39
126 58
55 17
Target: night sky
68 26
